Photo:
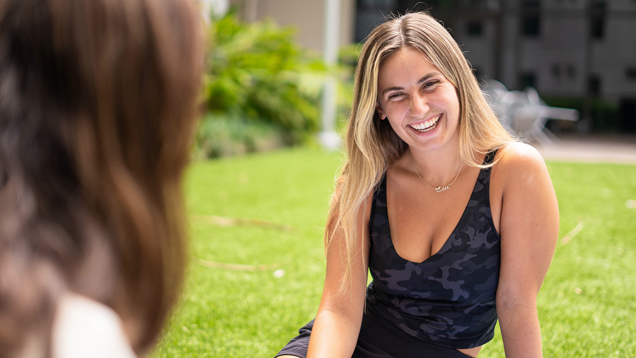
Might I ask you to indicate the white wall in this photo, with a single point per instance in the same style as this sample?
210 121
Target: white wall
307 16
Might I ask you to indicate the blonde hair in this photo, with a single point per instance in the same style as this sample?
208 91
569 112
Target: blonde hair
371 143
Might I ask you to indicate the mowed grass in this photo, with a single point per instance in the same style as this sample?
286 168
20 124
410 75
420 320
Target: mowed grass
587 304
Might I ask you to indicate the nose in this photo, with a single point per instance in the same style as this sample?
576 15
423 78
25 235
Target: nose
419 105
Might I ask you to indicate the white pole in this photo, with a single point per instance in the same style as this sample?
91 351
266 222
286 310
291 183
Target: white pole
220 7
328 137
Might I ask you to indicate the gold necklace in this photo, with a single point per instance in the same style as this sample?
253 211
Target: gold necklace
439 189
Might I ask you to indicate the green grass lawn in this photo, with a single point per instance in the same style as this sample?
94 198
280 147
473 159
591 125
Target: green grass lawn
587 305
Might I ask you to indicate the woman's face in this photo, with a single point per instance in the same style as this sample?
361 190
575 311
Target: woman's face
419 102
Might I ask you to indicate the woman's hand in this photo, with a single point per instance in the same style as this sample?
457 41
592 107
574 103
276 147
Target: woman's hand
529 224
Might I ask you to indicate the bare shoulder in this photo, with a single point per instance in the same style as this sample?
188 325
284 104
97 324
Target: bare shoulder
520 154
518 161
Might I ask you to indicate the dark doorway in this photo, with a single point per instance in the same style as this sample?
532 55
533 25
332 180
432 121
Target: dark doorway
627 115
371 13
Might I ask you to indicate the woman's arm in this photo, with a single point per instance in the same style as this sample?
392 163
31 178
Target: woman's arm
339 317
529 225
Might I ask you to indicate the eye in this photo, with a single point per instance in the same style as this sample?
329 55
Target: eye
395 96
430 84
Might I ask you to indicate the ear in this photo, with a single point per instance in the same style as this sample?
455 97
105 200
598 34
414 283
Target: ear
380 111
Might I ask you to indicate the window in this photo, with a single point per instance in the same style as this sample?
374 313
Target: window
594 85
598 10
556 70
373 4
528 79
571 70
627 115
474 28
369 14
531 18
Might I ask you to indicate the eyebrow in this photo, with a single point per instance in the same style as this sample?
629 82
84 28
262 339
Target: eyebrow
423 79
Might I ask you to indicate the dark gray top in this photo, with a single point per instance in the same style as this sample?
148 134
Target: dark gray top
449 298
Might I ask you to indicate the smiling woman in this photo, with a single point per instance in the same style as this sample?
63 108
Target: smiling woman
456 221
419 102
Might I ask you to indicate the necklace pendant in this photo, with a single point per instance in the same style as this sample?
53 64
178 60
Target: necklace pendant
440 189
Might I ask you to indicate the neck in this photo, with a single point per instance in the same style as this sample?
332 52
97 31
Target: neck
436 167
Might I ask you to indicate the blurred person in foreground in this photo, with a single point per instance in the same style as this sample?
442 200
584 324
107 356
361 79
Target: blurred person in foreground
97 109
456 221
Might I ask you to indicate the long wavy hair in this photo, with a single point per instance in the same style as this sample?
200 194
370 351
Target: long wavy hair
371 143
98 101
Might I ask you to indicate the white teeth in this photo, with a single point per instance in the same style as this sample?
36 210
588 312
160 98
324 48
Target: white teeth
426 126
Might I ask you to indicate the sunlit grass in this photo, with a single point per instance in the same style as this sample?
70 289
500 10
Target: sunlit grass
586 305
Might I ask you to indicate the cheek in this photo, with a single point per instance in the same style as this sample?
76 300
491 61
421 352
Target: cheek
396 111
457 106
398 129
395 125
451 102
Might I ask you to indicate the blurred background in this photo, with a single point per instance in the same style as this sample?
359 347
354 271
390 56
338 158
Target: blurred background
578 54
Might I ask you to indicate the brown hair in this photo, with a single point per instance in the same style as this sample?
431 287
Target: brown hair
97 107
372 144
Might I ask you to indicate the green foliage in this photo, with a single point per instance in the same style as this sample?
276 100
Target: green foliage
586 304
257 75
222 136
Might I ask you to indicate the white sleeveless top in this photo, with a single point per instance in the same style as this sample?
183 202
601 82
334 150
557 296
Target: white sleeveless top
86 328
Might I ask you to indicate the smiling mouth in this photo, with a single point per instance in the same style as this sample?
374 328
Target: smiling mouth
427 125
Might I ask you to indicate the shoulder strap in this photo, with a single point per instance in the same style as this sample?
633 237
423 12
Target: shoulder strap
490 157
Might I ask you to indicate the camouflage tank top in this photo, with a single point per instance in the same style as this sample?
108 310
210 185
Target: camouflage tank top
449 298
